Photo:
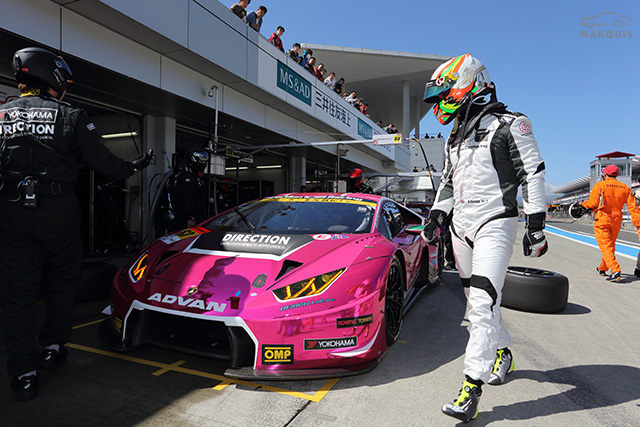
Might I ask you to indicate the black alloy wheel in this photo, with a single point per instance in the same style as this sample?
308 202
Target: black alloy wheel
393 303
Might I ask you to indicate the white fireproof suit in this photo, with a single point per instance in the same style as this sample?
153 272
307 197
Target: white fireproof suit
483 170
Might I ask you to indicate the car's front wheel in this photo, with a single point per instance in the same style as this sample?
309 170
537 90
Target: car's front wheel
394 300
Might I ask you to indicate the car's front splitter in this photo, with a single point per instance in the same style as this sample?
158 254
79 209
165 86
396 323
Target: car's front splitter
248 373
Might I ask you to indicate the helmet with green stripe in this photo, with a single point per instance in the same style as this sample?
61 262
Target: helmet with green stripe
455 83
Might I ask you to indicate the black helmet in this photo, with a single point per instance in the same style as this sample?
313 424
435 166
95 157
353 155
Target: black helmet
199 160
34 63
356 176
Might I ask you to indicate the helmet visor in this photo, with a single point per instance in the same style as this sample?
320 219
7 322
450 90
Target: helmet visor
437 89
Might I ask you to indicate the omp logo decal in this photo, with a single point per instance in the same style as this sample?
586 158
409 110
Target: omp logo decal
330 343
277 354
188 302
349 322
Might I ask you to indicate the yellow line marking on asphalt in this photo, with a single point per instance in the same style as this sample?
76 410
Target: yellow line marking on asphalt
316 397
222 385
88 324
401 341
168 368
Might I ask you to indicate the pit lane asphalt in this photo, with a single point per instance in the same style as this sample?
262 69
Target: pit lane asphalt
580 367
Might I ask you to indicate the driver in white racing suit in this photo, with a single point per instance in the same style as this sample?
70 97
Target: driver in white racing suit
489 154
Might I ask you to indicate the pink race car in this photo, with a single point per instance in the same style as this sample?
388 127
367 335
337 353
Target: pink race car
309 285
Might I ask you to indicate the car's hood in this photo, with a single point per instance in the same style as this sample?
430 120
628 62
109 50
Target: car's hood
236 260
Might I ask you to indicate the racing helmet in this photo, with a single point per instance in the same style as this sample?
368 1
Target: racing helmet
356 176
199 160
611 170
453 84
41 65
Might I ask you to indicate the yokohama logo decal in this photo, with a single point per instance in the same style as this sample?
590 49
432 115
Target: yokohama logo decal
330 343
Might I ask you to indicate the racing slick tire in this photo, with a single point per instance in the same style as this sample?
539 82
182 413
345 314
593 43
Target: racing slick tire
394 301
535 290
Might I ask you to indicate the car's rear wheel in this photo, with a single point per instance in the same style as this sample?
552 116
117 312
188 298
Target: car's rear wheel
394 300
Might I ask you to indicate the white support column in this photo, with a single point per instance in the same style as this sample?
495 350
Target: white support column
298 167
159 135
417 103
406 109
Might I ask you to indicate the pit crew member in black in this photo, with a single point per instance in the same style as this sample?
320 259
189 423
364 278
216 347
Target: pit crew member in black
188 193
43 141
490 153
355 182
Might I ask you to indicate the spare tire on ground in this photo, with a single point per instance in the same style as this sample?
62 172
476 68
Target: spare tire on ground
535 290
96 280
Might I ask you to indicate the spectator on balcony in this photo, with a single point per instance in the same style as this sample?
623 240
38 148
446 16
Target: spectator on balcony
379 123
311 64
352 98
306 55
240 9
391 128
331 80
275 38
293 52
364 109
319 71
254 19
338 87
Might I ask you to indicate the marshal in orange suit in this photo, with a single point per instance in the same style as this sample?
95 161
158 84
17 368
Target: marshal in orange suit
607 199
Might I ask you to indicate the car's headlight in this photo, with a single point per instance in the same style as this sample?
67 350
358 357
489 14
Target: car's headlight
304 288
139 268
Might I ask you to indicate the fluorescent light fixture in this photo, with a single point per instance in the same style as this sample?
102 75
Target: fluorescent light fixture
120 135
241 168
269 167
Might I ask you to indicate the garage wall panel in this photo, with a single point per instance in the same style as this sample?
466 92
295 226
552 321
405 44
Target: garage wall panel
243 107
216 41
281 123
94 43
184 81
168 17
35 19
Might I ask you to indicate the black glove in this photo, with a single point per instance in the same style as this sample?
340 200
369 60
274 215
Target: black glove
534 243
142 161
434 222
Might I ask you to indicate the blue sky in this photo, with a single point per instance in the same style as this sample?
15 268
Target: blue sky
581 94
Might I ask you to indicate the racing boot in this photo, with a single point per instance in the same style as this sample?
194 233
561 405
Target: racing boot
601 272
25 387
636 272
54 357
502 366
465 407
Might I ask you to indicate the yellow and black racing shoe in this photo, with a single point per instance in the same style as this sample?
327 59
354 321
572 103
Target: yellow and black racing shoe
503 365
465 407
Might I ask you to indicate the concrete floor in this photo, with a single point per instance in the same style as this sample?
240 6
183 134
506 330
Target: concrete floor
580 368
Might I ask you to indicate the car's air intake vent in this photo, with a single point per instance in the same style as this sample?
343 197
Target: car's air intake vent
287 266
166 255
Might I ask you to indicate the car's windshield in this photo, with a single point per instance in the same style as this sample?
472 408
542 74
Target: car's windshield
289 215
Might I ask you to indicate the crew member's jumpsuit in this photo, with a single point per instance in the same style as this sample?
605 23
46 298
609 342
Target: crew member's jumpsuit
607 198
